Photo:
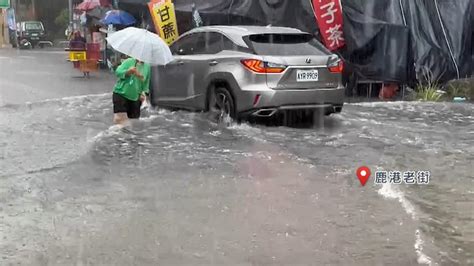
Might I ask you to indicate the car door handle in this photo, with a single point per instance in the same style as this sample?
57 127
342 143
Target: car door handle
213 63
180 63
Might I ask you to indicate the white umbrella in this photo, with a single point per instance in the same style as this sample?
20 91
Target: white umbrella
142 45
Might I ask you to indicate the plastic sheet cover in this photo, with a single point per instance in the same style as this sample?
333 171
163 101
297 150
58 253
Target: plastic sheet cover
386 40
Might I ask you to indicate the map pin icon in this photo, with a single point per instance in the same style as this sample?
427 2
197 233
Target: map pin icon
363 173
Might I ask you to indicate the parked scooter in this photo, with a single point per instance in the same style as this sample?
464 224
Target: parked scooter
25 44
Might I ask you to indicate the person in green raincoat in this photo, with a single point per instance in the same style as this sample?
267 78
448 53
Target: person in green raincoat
131 90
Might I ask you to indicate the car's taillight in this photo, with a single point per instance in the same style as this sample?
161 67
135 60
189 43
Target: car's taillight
336 67
254 65
263 67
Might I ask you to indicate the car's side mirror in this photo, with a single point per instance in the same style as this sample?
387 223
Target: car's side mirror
182 51
176 50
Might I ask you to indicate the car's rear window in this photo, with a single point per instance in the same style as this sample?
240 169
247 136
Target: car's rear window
286 44
33 26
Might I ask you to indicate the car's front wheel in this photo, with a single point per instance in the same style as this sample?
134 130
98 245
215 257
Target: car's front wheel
222 105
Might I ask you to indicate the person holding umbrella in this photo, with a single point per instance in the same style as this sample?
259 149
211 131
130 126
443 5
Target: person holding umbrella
130 90
144 49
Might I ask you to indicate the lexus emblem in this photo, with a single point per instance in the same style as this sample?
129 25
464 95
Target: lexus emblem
308 60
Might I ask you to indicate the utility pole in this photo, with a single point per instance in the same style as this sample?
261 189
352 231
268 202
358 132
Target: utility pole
33 9
70 12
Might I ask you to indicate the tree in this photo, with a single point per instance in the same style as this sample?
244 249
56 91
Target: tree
49 12
63 19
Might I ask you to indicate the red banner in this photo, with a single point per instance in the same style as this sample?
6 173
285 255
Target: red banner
328 15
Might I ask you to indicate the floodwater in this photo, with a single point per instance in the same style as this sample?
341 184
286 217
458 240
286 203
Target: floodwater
178 189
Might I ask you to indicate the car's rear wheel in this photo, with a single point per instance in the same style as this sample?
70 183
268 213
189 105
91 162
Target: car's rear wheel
222 105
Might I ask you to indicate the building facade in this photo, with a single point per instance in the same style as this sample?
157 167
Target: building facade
4 33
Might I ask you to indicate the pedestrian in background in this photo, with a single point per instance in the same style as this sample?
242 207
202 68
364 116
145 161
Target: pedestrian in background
131 90
77 42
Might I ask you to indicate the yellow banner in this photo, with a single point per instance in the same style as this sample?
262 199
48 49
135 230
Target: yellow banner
153 5
164 18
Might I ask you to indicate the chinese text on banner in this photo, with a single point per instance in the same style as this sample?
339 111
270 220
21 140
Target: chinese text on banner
164 17
329 17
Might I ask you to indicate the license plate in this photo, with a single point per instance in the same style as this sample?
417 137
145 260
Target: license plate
35 38
307 75
34 34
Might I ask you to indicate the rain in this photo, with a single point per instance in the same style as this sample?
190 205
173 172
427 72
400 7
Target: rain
184 186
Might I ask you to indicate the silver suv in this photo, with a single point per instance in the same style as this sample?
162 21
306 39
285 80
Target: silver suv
249 71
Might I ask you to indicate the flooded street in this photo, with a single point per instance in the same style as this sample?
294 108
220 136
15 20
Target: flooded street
182 190
178 189
236 133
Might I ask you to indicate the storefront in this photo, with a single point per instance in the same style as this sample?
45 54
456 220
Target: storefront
4 32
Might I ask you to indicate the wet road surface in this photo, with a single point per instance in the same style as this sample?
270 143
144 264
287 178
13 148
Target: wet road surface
41 74
178 189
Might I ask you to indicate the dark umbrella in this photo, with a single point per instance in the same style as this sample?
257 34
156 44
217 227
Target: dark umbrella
98 12
94 16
